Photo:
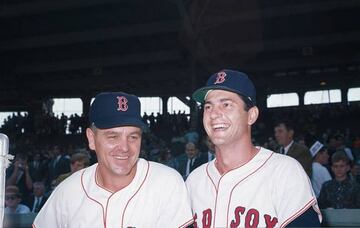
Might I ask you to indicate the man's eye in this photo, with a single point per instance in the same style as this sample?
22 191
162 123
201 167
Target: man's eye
133 138
226 104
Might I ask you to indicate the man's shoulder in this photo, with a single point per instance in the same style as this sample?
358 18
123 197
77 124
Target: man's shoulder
161 170
298 150
297 146
328 184
76 178
199 172
22 209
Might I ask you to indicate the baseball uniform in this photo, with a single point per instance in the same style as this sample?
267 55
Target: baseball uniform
271 190
157 197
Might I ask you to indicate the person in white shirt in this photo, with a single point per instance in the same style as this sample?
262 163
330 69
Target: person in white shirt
12 201
320 173
121 189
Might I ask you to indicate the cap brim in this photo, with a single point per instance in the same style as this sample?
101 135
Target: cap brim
119 122
200 94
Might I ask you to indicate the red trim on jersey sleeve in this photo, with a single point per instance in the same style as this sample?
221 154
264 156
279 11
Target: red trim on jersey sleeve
186 224
146 175
300 212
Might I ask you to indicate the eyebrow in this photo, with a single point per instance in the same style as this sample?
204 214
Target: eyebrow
138 132
221 100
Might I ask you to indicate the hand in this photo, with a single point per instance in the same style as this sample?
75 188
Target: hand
17 165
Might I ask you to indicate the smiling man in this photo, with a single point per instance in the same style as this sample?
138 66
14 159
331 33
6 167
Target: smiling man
245 186
121 190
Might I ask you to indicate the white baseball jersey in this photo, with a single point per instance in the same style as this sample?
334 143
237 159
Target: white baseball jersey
271 190
157 197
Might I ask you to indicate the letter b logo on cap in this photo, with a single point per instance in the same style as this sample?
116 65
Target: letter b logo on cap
220 77
122 104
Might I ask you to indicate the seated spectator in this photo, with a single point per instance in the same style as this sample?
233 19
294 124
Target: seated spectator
78 161
37 199
284 134
320 173
59 163
355 171
18 174
38 167
12 201
340 192
190 160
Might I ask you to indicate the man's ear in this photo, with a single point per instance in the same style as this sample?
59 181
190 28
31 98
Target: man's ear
291 132
91 138
253 115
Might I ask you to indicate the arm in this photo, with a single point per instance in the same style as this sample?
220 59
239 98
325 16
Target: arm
323 197
308 219
177 205
293 195
28 179
306 161
12 179
51 213
357 196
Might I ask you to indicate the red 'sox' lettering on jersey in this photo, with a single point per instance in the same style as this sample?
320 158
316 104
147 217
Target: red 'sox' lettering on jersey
207 217
251 218
270 222
236 222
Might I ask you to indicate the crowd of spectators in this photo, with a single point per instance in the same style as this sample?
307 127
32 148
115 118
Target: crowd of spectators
47 142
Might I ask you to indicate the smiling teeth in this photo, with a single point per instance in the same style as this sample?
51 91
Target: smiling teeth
121 157
217 126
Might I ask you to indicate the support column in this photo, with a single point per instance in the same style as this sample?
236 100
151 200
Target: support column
344 98
301 95
165 100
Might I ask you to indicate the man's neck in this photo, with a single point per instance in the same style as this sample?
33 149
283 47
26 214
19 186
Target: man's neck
114 183
229 158
288 145
341 179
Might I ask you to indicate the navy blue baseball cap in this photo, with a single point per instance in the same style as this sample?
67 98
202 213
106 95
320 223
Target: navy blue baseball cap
229 80
115 109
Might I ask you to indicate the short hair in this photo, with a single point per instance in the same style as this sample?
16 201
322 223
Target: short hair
80 157
13 189
289 125
340 155
248 105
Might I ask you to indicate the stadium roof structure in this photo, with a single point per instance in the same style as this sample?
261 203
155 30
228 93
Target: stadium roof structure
67 48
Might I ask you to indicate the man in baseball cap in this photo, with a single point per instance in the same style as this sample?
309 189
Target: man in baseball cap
121 190
228 80
320 173
245 184
112 109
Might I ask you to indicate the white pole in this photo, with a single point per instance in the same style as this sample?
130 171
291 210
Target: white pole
4 163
